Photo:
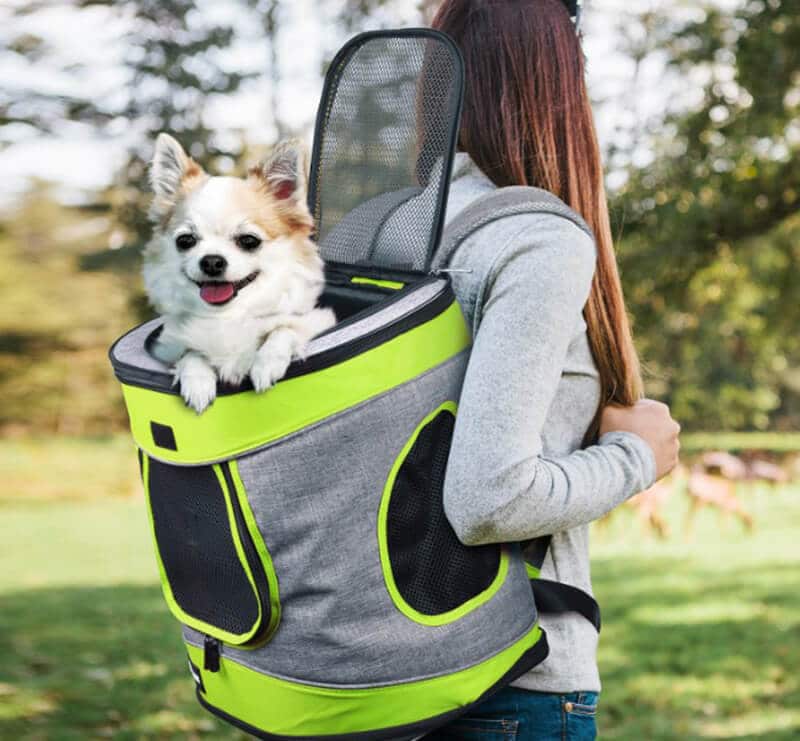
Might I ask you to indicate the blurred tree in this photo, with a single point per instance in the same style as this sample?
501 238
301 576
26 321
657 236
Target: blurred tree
57 322
711 244
171 61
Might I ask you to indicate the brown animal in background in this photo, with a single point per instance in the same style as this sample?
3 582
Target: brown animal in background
711 482
648 505
713 490
766 472
721 463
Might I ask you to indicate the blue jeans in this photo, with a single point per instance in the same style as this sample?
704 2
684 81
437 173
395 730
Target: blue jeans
515 714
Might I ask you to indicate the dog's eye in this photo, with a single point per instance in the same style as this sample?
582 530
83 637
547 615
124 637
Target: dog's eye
248 242
185 241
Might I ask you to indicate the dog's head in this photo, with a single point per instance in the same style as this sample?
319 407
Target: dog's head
221 243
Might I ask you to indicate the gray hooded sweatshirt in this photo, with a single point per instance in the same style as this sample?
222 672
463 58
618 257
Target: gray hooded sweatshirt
516 470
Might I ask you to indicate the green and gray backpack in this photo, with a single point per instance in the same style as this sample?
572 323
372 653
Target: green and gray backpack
299 533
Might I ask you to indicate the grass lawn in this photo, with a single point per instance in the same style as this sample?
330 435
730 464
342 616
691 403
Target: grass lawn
701 639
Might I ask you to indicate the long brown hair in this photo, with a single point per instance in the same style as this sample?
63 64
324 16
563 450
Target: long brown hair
527 120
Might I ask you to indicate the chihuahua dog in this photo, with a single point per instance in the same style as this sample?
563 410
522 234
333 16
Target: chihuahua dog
232 269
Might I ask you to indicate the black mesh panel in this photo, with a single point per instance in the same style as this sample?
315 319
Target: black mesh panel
386 131
196 547
433 570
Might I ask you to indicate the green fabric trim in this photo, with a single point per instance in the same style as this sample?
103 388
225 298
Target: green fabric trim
533 572
172 603
236 423
281 707
396 285
383 546
263 553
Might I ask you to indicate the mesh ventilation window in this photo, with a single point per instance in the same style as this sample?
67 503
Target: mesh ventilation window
386 132
196 547
434 572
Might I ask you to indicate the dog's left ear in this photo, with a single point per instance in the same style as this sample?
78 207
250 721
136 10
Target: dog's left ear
284 172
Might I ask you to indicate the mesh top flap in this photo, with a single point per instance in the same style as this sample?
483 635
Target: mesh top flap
385 135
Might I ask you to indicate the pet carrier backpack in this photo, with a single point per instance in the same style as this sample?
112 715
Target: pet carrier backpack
299 533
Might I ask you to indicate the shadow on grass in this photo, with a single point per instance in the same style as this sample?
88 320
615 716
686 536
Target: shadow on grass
694 653
96 662
685 653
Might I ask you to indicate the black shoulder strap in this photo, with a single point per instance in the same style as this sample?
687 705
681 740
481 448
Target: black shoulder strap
508 201
555 598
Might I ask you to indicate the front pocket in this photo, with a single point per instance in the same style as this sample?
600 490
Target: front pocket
216 573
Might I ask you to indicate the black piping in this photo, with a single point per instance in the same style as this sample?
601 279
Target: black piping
163 382
256 567
533 656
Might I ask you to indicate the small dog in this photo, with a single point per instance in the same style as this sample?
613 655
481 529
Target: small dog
232 269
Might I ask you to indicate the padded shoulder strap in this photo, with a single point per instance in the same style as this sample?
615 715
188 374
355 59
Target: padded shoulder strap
551 597
508 201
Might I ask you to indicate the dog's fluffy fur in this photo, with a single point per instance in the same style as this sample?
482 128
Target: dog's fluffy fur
253 309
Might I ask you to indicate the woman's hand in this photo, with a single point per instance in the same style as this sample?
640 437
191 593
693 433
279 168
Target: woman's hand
651 421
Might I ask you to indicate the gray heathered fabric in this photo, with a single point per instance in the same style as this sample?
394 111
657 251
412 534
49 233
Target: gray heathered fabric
515 469
315 497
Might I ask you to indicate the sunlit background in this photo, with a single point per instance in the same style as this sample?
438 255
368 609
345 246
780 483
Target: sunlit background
698 112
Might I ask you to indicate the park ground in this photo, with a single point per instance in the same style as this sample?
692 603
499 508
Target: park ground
701 635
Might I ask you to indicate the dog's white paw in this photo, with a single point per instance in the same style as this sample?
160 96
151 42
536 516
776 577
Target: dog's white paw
273 358
198 381
234 369
267 370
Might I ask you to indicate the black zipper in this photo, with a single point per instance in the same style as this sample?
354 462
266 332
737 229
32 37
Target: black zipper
210 653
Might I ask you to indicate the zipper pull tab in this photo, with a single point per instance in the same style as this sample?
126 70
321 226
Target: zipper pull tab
439 271
210 654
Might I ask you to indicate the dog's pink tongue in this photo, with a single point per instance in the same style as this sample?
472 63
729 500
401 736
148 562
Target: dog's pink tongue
216 293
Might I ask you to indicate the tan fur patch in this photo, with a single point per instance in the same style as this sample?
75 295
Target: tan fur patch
276 218
193 176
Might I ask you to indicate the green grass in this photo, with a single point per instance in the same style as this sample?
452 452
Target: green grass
772 442
701 638
69 468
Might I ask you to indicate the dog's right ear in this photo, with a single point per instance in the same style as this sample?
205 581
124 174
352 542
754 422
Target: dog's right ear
172 173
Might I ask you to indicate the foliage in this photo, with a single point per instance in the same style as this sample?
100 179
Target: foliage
58 322
774 443
712 234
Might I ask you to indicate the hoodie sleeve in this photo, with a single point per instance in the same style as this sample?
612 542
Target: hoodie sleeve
499 487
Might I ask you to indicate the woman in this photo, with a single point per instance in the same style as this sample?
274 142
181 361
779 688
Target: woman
551 432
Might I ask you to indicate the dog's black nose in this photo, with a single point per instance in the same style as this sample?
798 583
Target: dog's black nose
213 265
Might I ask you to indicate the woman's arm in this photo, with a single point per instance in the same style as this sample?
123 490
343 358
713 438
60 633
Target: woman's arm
499 487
